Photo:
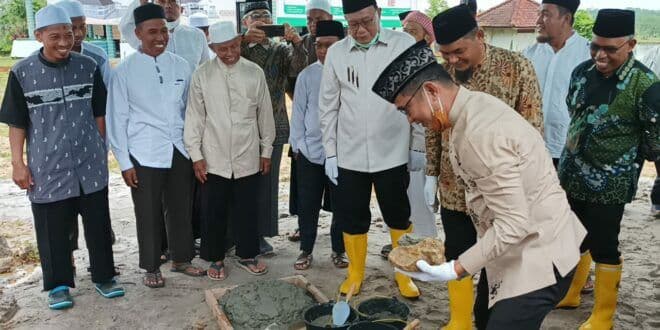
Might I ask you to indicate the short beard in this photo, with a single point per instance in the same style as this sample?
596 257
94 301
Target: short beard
544 39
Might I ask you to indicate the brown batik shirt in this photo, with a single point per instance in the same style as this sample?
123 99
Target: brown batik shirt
504 74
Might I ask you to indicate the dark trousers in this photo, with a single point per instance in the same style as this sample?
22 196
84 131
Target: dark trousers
460 234
655 193
293 186
603 223
163 210
196 209
53 223
268 196
523 312
218 196
353 195
311 183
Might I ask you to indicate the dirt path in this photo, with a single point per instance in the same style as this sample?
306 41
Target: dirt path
180 305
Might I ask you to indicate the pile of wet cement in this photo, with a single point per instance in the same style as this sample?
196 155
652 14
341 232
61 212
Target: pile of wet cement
272 303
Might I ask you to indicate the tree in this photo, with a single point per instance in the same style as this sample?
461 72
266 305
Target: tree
436 7
14 22
584 23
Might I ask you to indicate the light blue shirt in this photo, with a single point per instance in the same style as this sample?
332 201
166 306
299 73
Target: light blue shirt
101 58
146 109
305 136
554 73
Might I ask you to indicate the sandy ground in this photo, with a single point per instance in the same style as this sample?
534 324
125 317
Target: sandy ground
181 305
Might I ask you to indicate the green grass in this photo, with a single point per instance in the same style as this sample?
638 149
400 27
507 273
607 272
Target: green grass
7 61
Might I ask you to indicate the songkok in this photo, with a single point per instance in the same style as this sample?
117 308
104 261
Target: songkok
423 20
453 24
148 11
403 69
198 20
472 5
72 7
329 29
254 5
614 23
351 6
571 5
319 4
221 32
51 15
403 15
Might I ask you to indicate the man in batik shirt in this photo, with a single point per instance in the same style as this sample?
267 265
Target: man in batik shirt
480 67
614 102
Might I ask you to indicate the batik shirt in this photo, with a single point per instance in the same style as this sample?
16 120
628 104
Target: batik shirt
614 127
279 62
56 104
504 74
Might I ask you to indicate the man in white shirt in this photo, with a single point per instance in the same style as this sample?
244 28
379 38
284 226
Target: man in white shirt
229 133
145 120
185 41
558 51
307 148
366 143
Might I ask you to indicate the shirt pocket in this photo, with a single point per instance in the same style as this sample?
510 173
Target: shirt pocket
175 93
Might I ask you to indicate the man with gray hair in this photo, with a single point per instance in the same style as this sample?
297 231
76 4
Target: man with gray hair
55 102
229 133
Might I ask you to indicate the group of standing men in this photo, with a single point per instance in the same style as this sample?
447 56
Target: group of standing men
177 119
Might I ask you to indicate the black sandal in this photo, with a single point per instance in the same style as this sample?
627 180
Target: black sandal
304 261
295 237
154 280
219 269
339 260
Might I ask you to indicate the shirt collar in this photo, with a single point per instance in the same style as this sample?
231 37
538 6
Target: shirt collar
459 103
45 62
383 38
143 55
224 66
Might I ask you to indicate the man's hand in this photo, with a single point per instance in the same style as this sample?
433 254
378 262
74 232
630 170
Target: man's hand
430 191
130 177
264 166
332 169
254 34
416 161
22 177
290 34
440 273
199 167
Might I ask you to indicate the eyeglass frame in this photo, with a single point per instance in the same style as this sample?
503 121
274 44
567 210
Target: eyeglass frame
610 50
362 23
404 110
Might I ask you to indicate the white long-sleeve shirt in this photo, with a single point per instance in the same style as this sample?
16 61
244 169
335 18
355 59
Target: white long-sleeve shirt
146 107
362 130
554 73
186 41
305 136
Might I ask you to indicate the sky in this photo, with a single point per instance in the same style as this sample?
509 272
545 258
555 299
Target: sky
646 4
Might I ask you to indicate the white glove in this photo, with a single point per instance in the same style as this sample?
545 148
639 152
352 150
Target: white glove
331 169
416 161
430 191
428 273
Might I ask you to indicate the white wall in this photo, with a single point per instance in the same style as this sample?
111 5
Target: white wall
509 38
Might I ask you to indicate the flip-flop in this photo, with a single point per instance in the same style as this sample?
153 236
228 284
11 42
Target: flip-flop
153 277
218 269
109 289
295 237
59 298
339 260
185 269
245 265
304 261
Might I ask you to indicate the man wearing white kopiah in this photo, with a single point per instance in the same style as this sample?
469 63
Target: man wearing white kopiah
146 111
366 144
185 41
229 133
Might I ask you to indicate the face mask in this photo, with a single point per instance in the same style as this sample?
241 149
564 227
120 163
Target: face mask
441 117
371 43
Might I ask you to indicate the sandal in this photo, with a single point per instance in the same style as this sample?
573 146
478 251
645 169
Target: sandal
219 271
188 269
246 264
588 286
304 261
59 298
295 237
109 289
339 260
154 280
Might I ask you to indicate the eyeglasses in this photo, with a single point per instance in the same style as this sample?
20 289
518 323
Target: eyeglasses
595 48
256 16
403 109
365 23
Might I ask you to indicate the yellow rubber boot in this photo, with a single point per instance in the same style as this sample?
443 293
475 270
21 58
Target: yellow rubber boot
461 302
606 290
572 298
356 251
407 287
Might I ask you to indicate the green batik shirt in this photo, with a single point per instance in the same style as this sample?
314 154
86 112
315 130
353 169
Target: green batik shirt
614 127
